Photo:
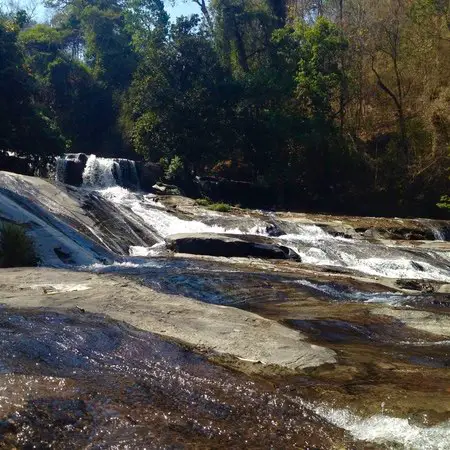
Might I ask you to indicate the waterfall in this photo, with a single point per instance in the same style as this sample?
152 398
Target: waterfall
95 172
115 181
61 169
101 172
438 233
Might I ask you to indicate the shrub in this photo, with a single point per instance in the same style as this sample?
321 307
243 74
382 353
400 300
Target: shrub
175 170
203 202
16 248
220 207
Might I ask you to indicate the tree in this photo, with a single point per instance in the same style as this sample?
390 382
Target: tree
176 102
24 128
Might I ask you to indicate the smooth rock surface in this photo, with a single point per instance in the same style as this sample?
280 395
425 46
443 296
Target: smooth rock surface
220 329
438 324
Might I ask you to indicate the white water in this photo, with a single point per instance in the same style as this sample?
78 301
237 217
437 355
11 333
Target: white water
160 220
437 232
390 298
61 164
388 430
99 172
312 243
317 247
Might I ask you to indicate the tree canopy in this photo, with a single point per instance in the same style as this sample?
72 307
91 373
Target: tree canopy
338 105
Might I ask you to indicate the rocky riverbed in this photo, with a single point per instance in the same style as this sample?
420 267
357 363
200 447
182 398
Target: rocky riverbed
277 329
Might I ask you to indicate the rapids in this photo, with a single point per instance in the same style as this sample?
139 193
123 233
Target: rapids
311 242
365 289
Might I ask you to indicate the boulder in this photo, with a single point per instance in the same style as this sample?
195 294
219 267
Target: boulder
229 246
80 157
166 189
16 164
70 168
273 230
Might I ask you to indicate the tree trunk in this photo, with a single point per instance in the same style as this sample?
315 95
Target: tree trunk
205 12
398 101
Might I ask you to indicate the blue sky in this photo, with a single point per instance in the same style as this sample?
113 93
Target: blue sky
181 8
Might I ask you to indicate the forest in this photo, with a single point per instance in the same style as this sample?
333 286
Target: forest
339 106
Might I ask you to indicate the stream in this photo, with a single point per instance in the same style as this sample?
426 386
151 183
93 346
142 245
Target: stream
72 379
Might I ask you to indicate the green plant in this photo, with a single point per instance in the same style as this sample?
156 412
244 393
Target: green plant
445 202
220 207
203 202
16 248
175 169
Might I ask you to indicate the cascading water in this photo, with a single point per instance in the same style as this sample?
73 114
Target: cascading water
391 344
60 169
107 172
101 173
317 247
312 243
438 233
95 172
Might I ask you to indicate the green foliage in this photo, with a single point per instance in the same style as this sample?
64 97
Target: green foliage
175 169
24 127
319 76
313 106
220 207
203 202
147 22
16 248
445 202
107 46
42 44
176 103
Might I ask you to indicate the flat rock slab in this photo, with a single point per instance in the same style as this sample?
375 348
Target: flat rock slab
430 322
229 245
221 329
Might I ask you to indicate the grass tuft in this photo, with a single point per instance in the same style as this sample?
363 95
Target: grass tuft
220 207
16 248
203 202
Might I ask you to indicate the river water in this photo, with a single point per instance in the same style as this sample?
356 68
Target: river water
75 380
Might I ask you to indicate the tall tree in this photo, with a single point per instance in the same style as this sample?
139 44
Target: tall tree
24 128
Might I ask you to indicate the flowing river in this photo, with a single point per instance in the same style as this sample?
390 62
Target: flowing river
374 300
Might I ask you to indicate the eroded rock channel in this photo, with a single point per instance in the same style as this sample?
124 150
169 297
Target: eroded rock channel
334 333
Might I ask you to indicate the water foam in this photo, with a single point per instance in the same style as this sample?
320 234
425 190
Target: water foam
383 429
314 245
390 298
163 222
100 172
317 247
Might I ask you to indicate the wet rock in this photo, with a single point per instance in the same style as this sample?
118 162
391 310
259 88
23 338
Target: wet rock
438 324
15 164
417 266
74 166
64 256
398 233
229 246
415 285
166 189
273 230
7 426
